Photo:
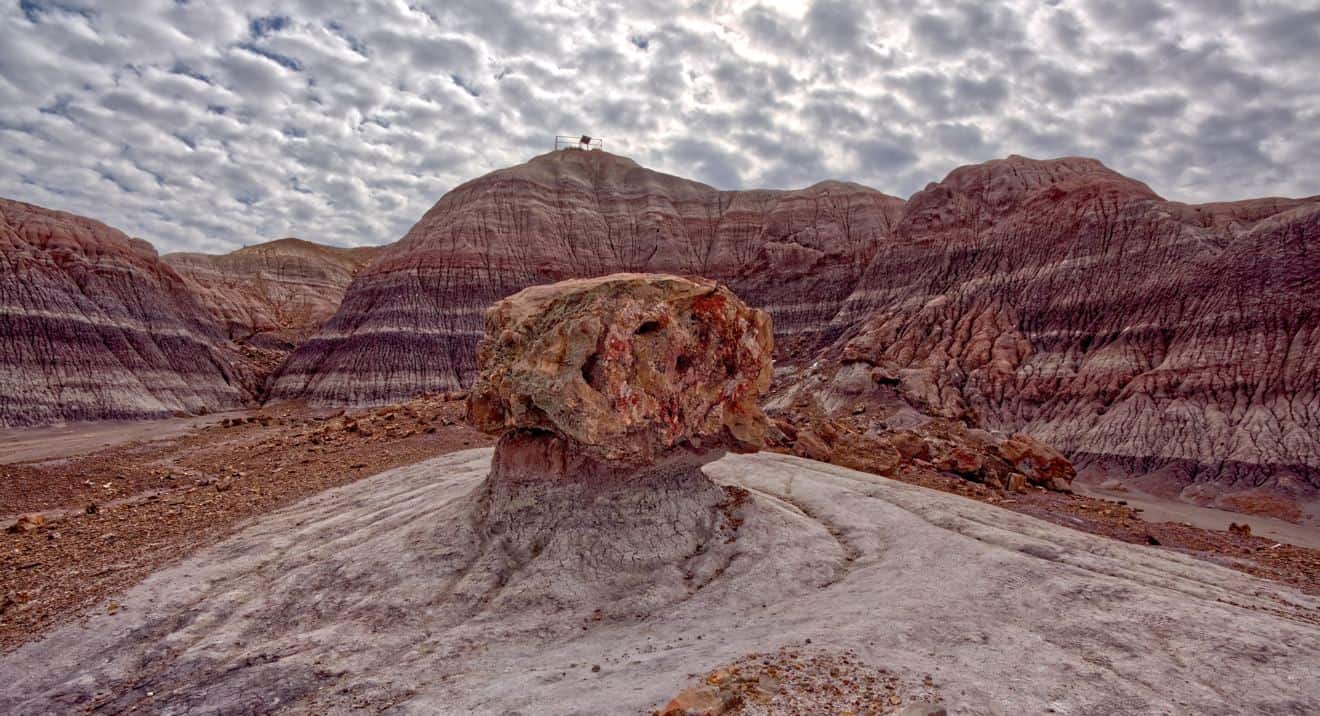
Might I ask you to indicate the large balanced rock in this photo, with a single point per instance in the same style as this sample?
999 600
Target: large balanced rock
608 395
630 367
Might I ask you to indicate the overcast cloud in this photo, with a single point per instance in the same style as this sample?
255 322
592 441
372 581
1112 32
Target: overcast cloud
202 125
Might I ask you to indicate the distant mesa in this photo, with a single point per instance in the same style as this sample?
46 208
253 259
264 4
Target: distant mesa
275 293
270 297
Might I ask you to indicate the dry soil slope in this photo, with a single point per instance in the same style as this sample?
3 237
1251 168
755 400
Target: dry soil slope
367 598
1173 341
409 323
274 294
94 326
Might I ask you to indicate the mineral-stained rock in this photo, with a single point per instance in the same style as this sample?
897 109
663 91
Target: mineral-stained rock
94 326
869 453
961 461
839 414
410 323
1040 463
608 395
1146 337
28 523
629 367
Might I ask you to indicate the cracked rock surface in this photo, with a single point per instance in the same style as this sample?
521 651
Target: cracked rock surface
628 367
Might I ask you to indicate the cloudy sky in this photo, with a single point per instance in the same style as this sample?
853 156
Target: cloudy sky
202 125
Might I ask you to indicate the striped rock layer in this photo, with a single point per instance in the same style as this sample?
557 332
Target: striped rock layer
1140 336
410 323
94 326
272 294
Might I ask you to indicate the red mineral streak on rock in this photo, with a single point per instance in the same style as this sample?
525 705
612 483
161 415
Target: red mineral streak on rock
629 368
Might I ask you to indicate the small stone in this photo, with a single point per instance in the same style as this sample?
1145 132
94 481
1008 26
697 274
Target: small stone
696 701
811 446
595 668
28 523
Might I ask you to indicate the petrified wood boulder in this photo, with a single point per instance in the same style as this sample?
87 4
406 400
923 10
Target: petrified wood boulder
608 395
630 368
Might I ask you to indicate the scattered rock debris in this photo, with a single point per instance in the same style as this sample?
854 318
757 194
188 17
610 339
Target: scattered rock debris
124 511
803 682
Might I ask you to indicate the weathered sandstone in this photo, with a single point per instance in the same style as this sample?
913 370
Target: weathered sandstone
94 326
410 323
369 598
607 395
861 416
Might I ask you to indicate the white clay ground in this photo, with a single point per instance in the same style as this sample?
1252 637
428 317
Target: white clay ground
375 596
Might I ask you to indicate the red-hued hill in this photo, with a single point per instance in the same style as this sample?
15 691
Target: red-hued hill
94 326
275 293
1142 337
410 322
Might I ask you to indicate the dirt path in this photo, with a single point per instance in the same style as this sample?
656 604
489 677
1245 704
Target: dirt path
62 441
1154 509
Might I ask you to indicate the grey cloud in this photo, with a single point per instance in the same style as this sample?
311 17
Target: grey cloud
957 28
1136 16
836 25
886 154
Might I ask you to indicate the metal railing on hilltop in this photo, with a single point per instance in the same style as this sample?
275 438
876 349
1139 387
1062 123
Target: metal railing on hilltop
565 141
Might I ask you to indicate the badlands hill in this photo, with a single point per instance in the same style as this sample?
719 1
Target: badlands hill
604 556
273 294
1176 342
97 326
93 326
1142 337
410 322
